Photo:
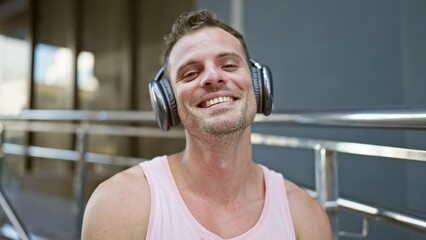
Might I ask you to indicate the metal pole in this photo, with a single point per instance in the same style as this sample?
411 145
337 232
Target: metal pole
237 15
80 181
4 202
327 185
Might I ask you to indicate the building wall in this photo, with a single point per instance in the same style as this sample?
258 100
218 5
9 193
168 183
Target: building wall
336 55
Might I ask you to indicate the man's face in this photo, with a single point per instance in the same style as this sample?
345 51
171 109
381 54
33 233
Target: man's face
212 82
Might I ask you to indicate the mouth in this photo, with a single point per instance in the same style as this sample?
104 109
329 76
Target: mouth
216 100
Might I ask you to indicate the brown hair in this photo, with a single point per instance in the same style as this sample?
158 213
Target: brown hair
190 21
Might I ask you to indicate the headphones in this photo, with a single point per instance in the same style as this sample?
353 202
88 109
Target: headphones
164 104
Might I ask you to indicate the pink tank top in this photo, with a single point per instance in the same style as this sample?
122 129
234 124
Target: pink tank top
170 218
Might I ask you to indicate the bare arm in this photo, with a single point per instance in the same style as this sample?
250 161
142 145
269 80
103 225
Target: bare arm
309 219
119 208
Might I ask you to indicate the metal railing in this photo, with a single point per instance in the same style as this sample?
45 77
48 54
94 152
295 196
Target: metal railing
391 117
325 151
407 118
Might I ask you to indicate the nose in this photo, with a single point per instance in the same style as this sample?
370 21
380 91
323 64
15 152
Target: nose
212 77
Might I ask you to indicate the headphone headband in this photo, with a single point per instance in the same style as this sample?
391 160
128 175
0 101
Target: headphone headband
159 74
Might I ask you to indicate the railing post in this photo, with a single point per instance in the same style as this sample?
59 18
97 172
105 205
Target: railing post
80 181
327 187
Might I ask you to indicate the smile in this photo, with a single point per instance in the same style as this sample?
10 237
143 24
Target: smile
215 101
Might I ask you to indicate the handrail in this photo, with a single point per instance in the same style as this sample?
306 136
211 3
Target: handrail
391 117
82 115
414 223
395 118
113 130
342 147
370 211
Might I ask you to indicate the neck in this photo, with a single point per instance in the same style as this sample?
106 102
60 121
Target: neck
218 167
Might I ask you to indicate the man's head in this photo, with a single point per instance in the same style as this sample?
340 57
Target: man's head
210 75
191 21
206 60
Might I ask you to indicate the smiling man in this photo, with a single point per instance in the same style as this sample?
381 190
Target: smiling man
212 189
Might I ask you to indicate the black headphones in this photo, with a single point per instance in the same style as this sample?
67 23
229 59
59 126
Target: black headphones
164 104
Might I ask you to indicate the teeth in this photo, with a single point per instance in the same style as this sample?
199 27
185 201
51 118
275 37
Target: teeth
217 100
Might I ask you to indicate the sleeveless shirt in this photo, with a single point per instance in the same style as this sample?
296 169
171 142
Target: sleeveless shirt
170 218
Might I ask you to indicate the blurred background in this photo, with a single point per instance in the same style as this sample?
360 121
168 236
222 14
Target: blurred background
99 55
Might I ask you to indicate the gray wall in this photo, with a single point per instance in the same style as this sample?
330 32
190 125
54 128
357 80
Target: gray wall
344 54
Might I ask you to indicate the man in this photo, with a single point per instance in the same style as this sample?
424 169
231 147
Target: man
212 189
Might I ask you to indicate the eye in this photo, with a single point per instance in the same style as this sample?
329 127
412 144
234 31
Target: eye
230 67
189 75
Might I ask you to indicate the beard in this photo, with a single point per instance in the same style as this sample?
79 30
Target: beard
224 121
227 126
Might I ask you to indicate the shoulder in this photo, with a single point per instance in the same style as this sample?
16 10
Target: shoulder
119 208
309 218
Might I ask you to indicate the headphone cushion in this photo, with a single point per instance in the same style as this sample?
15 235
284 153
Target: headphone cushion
267 90
257 87
171 101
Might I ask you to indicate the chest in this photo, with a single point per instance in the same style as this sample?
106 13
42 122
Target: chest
225 221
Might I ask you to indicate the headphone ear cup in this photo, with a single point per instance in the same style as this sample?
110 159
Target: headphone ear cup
164 104
267 89
257 87
171 100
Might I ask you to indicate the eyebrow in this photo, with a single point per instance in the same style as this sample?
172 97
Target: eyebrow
230 54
